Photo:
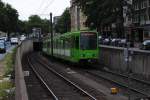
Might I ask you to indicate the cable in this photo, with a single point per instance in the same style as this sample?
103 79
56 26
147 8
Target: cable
50 3
41 4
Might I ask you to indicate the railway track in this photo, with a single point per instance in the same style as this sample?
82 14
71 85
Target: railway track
126 76
139 86
59 86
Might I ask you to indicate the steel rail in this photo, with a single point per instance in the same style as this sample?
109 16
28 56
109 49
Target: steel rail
40 78
120 84
138 80
67 80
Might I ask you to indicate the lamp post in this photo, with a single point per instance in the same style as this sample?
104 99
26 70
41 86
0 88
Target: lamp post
128 57
51 31
128 69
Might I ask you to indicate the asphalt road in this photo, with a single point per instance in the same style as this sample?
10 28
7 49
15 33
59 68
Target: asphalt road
9 48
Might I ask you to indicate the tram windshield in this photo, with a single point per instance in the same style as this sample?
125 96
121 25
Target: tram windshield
88 41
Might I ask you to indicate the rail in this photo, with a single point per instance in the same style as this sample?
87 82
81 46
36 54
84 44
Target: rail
118 83
43 82
67 80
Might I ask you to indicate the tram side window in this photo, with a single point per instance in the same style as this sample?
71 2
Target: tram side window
77 42
56 44
71 42
63 44
49 44
66 44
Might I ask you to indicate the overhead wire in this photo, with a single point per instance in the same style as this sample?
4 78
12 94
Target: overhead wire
40 6
48 5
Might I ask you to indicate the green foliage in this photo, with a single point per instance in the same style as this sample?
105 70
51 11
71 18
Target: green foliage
22 26
5 85
34 21
64 23
8 18
9 21
101 13
9 62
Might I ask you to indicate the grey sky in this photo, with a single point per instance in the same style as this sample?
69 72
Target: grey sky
30 7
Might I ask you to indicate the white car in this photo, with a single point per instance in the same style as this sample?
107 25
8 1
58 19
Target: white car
4 38
14 40
22 37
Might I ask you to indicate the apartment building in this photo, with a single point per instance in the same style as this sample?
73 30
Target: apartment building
77 17
141 19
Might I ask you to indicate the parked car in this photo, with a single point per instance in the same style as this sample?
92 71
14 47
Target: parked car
2 46
146 45
100 40
22 38
14 40
122 43
3 38
106 41
115 41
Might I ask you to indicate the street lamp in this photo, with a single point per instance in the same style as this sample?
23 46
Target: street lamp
128 58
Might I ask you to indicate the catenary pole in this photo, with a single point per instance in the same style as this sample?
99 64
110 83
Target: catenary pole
51 31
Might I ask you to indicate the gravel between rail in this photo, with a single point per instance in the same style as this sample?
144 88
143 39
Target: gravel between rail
36 91
138 89
59 86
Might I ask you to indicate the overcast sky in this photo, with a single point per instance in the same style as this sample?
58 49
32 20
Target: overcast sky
31 7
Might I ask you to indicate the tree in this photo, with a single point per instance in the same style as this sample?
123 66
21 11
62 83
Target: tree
8 18
36 22
64 23
104 12
11 18
22 26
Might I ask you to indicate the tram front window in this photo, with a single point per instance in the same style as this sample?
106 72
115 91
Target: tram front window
88 41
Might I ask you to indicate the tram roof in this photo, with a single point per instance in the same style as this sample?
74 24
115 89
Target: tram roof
69 34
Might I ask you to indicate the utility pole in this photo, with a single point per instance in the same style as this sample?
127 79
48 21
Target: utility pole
128 68
51 31
78 18
128 58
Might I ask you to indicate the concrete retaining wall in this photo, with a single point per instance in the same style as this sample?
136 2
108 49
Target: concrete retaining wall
113 58
21 91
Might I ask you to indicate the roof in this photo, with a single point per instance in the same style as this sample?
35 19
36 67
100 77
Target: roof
69 34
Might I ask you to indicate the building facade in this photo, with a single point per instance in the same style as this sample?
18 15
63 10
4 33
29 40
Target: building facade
55 19
141 19
77 17
137 25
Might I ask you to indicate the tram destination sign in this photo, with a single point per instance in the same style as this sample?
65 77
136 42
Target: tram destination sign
88 34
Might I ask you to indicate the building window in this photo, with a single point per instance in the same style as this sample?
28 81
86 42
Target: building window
136 6
142 18
136 19
147 34
129 19
143 4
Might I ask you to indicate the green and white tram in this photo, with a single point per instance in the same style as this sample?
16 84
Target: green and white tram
81 46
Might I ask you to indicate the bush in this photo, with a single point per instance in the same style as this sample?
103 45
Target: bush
5 85
9 62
